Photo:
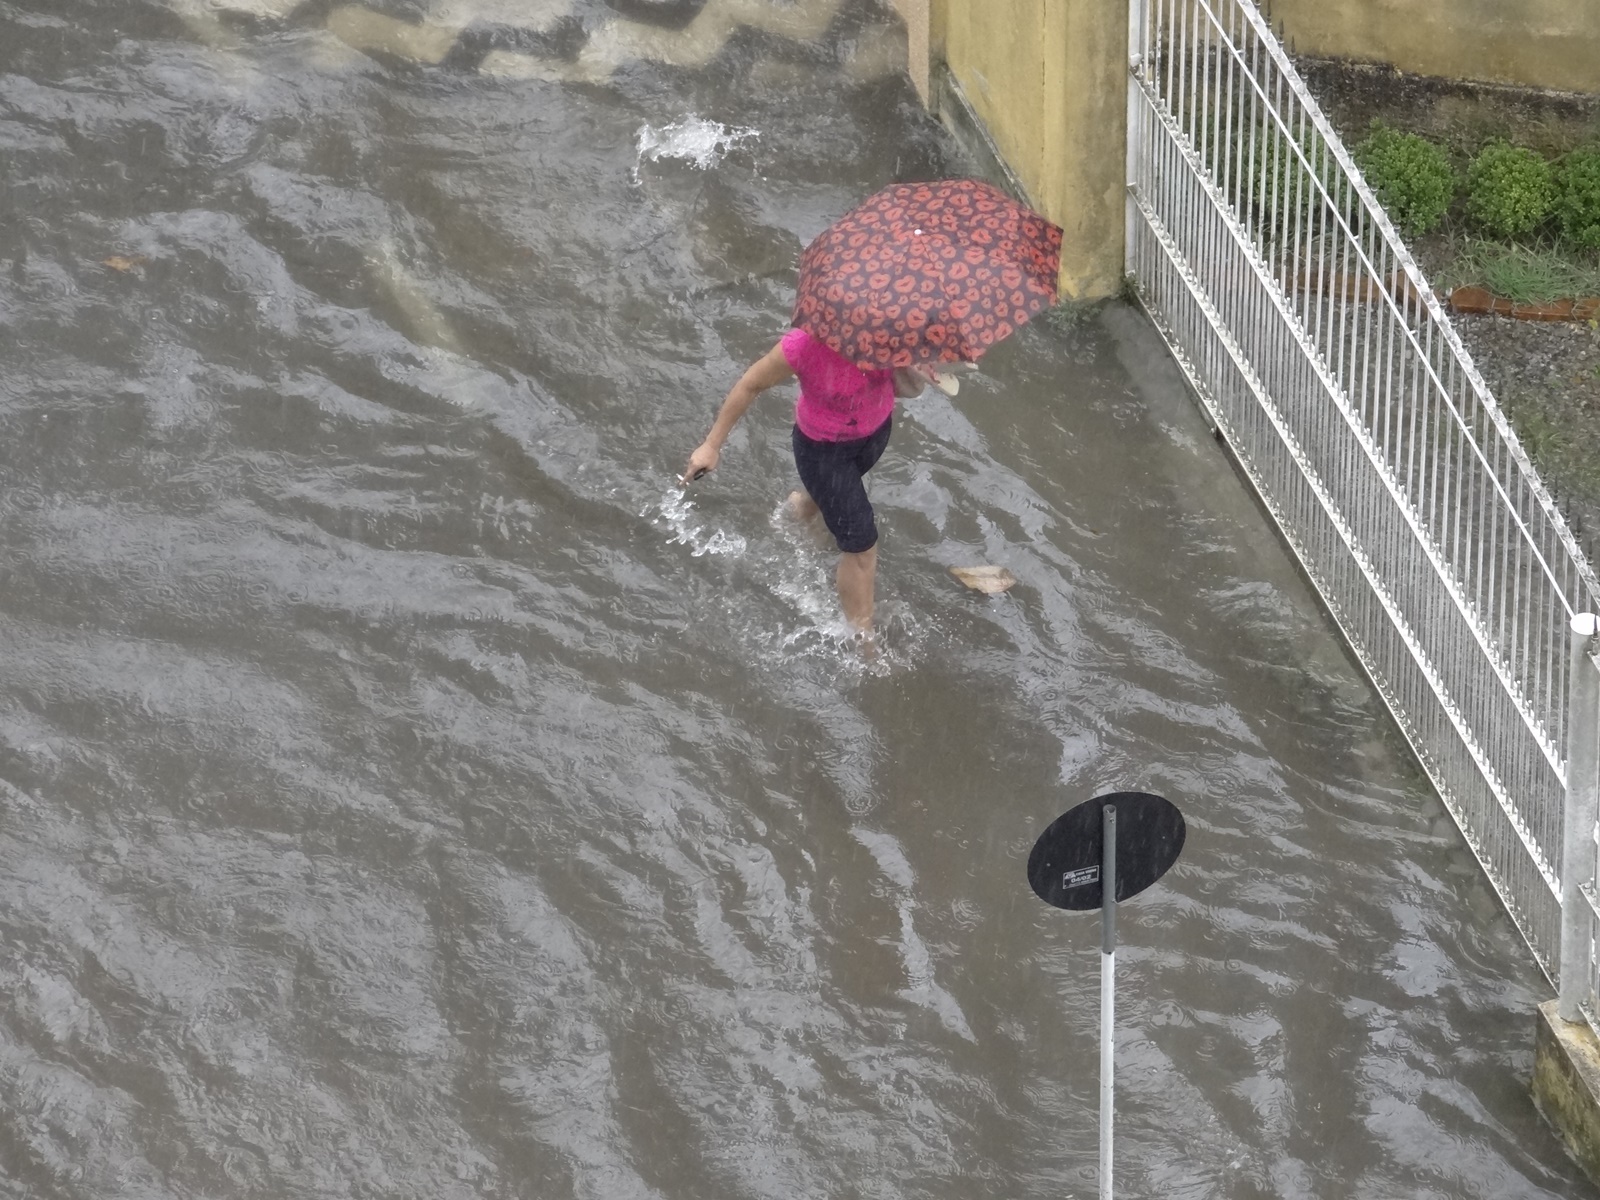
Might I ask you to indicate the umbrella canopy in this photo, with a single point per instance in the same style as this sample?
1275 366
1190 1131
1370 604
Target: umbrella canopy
927 273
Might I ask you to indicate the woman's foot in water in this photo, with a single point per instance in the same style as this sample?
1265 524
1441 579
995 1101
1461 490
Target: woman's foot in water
866 643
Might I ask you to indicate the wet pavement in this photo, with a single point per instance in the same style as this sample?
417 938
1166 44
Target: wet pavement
406 791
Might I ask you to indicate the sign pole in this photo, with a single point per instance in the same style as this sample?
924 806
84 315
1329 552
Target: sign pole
1108 976
1075 865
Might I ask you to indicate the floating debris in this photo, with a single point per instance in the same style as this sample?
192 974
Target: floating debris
986 579
124 262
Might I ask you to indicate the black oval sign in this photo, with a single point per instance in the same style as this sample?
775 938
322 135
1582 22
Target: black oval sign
1064 868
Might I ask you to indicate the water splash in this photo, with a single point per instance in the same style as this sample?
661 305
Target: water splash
677 512
700 143
798 569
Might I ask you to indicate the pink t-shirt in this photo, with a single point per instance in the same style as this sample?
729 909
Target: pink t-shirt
838 400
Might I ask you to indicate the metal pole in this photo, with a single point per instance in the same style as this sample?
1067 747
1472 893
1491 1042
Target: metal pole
1578 817
1108 975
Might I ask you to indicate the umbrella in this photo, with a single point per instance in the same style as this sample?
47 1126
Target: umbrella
927 273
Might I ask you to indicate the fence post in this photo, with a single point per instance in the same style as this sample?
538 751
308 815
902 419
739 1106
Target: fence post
1137 24
1578 817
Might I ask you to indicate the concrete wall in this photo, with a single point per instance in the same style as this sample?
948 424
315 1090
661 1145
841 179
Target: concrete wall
1048 81
1530 43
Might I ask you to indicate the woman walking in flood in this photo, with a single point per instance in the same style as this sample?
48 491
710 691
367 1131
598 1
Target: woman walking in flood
842 421
917 276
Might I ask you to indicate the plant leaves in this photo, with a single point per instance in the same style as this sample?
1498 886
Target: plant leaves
987 579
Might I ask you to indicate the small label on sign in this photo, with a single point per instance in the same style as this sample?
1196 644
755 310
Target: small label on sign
1081 877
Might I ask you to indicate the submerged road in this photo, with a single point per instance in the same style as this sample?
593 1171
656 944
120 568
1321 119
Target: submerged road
406 791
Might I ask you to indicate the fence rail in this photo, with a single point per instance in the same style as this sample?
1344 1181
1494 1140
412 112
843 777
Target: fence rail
1323 357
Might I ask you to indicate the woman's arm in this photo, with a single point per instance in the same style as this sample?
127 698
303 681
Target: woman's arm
771 368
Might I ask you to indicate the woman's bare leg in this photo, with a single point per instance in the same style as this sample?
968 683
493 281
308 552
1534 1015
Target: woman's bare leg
802 505
856 575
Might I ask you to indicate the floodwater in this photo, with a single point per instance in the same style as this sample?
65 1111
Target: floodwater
406 791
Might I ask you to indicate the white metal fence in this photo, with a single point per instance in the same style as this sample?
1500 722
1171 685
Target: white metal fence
1330 368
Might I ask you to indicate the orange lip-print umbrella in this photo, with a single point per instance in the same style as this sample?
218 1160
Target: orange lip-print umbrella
927 273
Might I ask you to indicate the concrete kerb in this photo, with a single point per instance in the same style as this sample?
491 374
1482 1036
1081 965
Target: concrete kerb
1566 1084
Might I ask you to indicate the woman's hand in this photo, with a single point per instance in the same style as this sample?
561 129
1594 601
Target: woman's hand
703 459
767 370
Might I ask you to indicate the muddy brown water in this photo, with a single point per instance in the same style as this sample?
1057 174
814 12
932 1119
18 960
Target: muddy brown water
404 791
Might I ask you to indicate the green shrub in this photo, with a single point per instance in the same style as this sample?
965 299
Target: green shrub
1510 190
1412 177
1578 199
1278 185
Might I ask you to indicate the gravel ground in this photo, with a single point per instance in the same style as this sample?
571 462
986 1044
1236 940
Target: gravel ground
1546 376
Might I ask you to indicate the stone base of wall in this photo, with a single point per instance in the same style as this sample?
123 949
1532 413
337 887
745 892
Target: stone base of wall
1566 1084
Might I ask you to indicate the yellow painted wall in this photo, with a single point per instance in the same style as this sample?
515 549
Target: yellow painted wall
1530 43
1048 79
995 50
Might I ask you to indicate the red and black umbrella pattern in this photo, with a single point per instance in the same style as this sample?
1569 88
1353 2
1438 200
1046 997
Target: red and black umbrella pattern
927 273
